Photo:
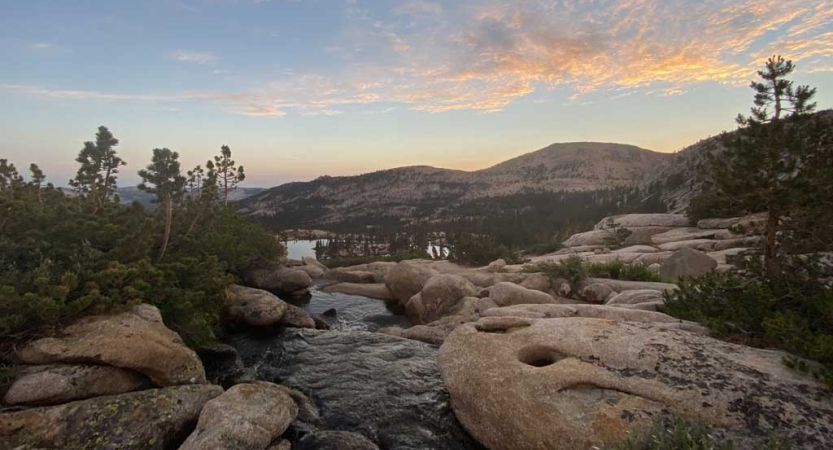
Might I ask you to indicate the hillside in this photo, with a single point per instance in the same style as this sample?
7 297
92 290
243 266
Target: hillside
677 179
421 192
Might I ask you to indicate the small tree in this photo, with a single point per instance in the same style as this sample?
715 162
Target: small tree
763 163
37 180
96 177
227 176
163 178
9 177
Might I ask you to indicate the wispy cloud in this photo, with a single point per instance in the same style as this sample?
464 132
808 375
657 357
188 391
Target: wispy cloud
40 45
484 55
195 57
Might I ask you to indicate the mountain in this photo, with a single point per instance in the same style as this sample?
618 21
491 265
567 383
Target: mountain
408 194
130 194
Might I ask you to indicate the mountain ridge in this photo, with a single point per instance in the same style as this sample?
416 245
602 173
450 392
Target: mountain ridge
421 191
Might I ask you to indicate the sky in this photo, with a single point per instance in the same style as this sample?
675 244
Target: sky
303 88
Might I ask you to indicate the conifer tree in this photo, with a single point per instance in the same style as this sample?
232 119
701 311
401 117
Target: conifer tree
163 178
96 177
9 177
37 180
762 166
227 175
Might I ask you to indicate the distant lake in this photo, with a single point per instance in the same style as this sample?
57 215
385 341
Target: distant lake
299 249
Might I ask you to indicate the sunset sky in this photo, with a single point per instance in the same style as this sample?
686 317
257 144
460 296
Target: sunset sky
302 88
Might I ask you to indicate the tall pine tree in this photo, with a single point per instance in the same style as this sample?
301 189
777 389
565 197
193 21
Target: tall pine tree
99 167
163 178
227 175
763 165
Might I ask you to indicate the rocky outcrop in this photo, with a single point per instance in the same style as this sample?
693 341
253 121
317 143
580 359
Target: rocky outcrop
407 279
254 307
383 387
643 220
296 317
635 297
277 279
687 262
505 294
576 383
136 340
353 276
61 383
496 265
378 291
246 417
156 419
596 292
439 296
751 222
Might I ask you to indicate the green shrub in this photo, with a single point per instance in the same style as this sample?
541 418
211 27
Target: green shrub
792 313
618 270
480 250
572 269
679 434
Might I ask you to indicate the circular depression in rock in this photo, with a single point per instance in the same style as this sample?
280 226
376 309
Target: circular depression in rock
539 356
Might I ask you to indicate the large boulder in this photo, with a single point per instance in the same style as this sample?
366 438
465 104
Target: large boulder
643 220
277 279
378 291
136 340
61 383
314 272
689 234
296 317
439 295
635 297
625 285
406 279
496 265
687 262
596 292
380 386
254 307
697 244
595 237
643 235
506 294
590 311
576 383
353 276
155 419
752 222
248 416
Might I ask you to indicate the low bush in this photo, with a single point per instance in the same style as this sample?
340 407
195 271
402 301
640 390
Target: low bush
573 269
619 270
480 250
678 434
793 312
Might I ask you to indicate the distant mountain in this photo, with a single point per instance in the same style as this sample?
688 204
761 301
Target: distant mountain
408 194
130 194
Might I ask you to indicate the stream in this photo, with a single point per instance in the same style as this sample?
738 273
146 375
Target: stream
385 388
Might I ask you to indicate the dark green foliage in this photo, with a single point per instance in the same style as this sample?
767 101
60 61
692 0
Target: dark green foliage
764 166
678 434
619 270
572 269
793 312
99 165
479 250
227 176
64 257
544 248
353 261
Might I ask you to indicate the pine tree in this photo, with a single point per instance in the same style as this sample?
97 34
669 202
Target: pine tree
163 178
227 176
762 166
9 177
96 177
37 180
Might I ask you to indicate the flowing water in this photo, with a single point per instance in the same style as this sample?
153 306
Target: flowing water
386 388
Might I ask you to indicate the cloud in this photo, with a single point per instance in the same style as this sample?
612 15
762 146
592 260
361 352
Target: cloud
40 46
484 55
195 57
